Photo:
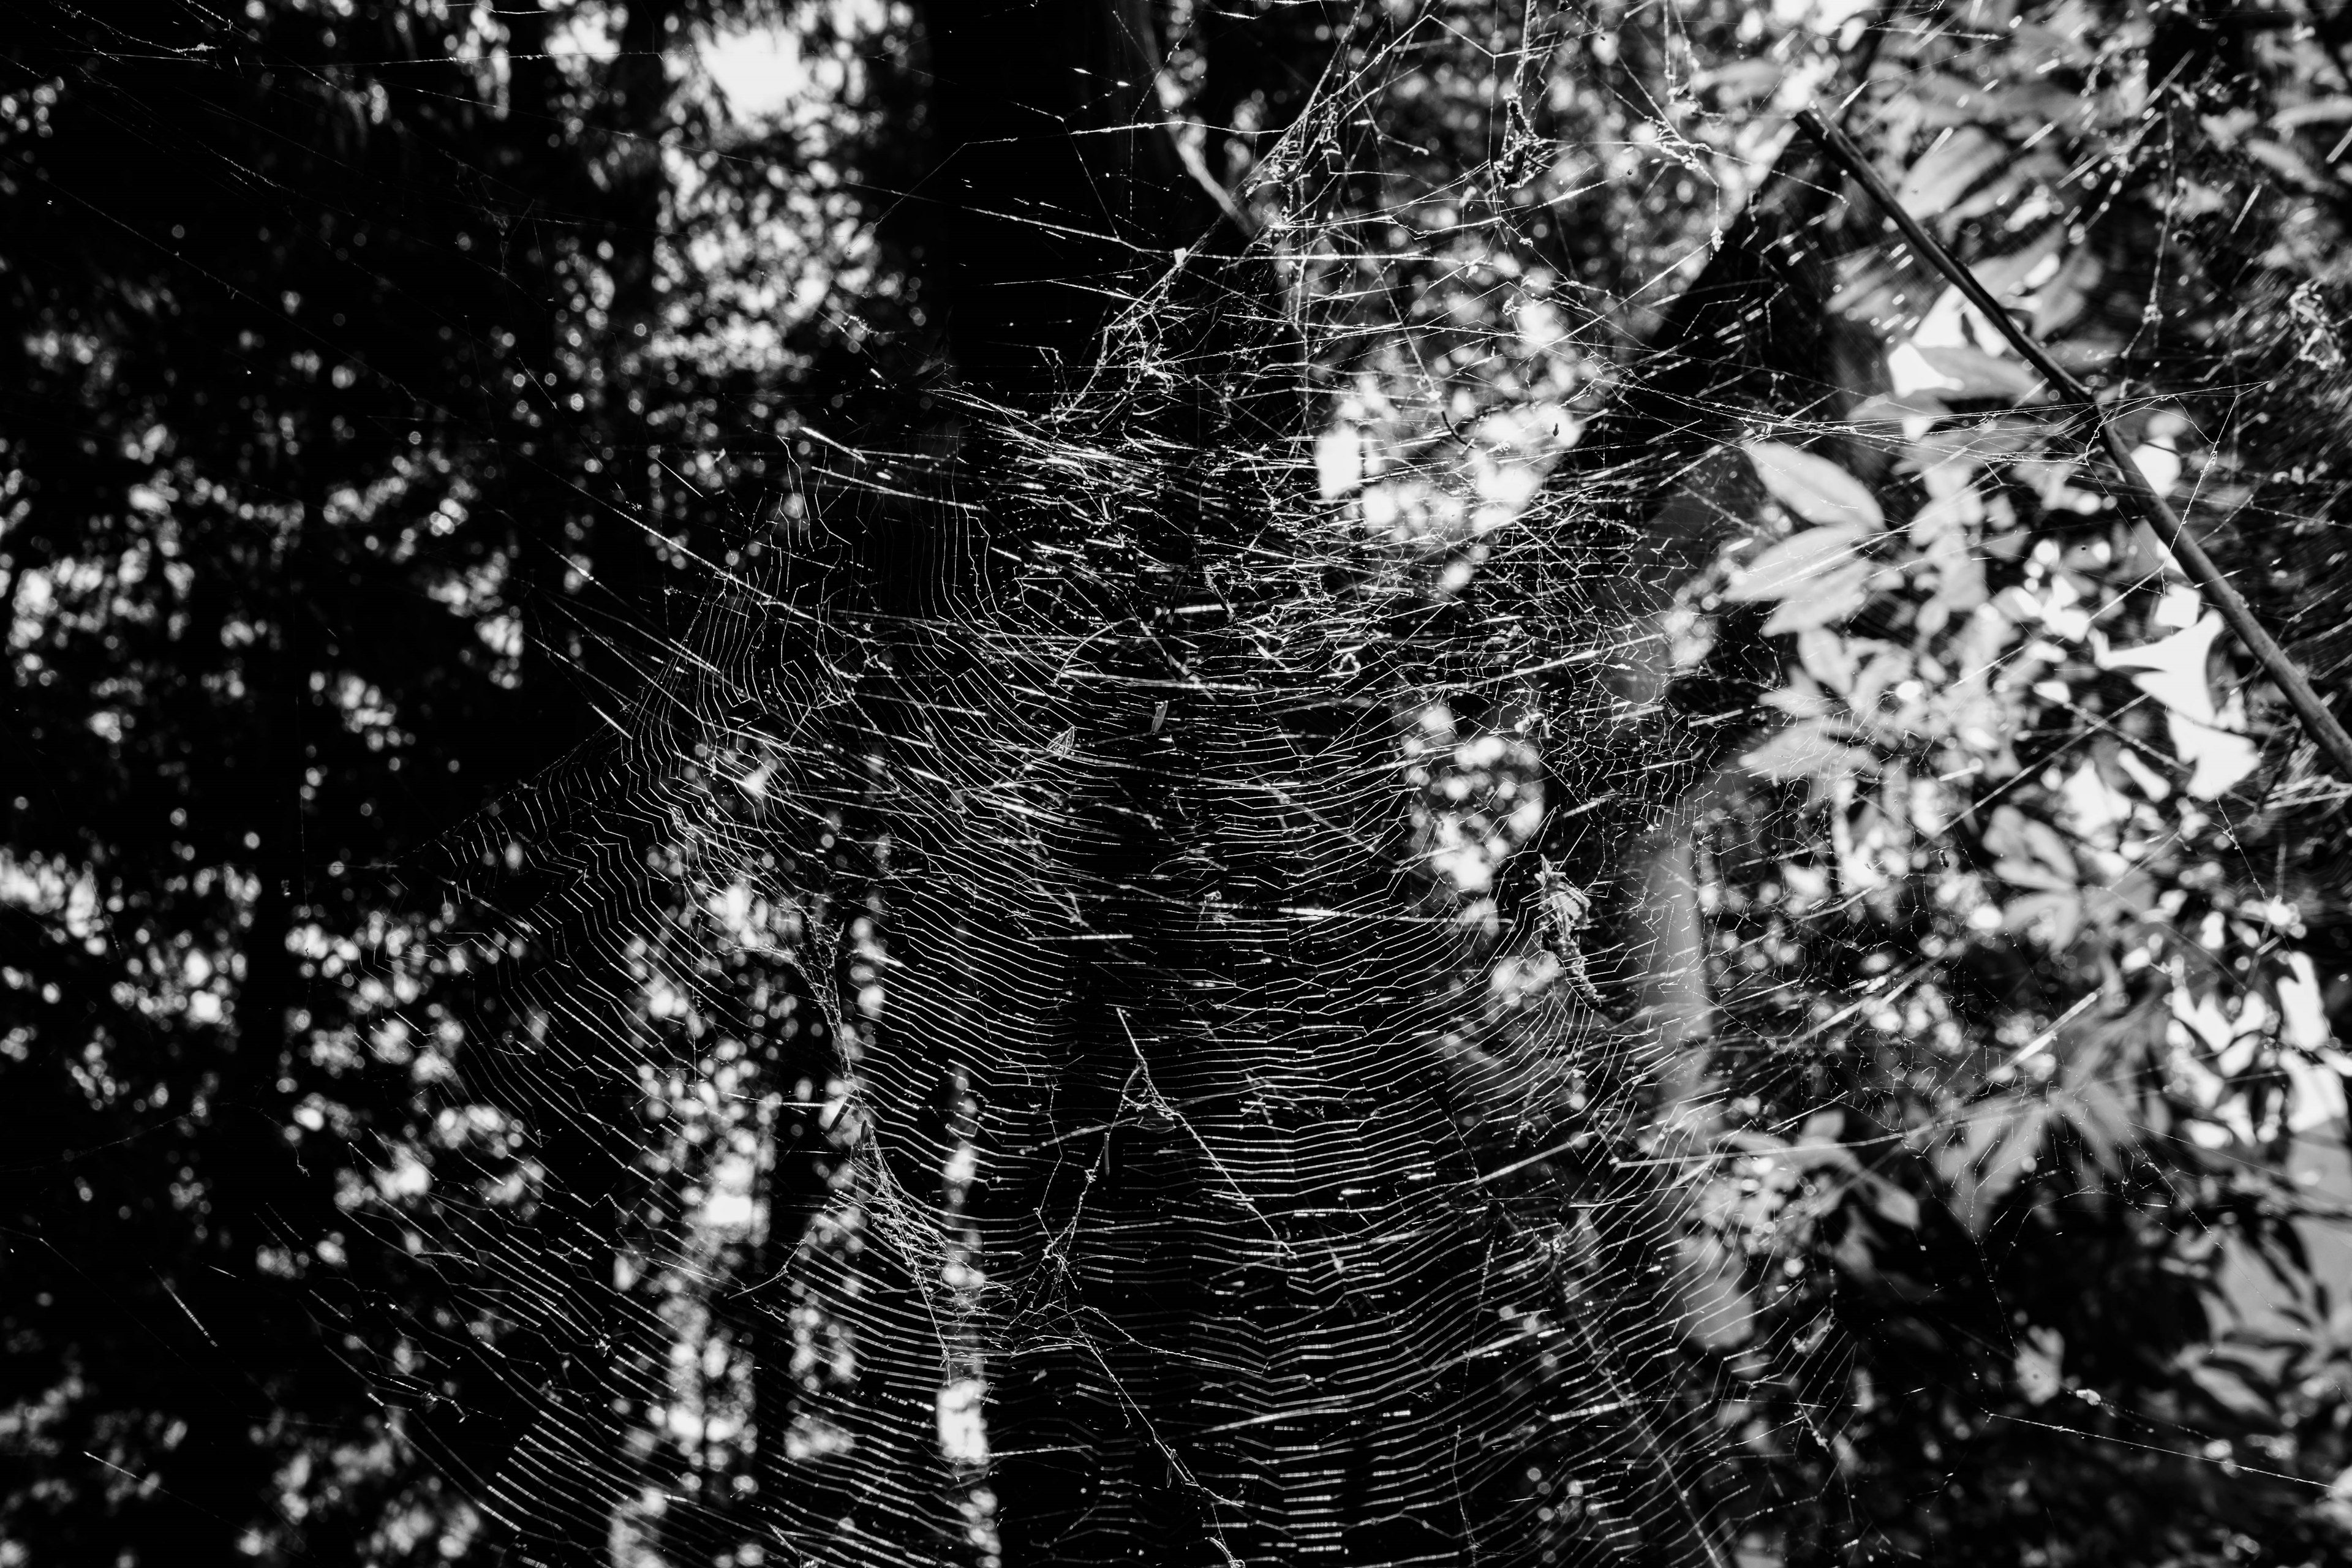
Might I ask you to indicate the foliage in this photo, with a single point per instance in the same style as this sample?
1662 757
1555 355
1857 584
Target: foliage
2025 899
2050 943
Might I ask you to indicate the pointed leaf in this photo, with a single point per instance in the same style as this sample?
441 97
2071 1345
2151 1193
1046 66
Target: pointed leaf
2017 1135
1877 413
1813 486
2217 759
1808 750
2048 845
1829 599
1795 565
1893 1205
2100 1116
2230 1391
1949 171
2062 300
1818 1143
2174 669
2032 874
2005 274
1803 698
1740 80
1971 373
1827 658
2055 916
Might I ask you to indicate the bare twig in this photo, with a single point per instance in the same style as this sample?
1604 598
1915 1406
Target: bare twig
2123 480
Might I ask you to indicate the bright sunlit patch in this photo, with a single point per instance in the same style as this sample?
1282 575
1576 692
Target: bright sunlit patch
760 71
1911 373
2159 465
963 1424
2173 672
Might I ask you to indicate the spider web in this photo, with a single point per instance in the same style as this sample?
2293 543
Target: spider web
1156 1121
1182 1172
1123 1089
1149 979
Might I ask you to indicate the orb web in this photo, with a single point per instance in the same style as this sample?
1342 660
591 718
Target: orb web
1233 971
1462 905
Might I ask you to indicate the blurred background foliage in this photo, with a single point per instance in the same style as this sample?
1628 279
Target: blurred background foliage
393 389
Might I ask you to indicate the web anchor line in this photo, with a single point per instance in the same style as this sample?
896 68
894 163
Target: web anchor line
2123 480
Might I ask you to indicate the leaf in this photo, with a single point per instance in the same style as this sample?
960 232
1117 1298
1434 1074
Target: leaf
2318 1094
2001 1140
1947 515
2217 759
2041 49
1942 98
2064 911
2136 893
2285 162
1808 750
2229 1390
1970 372
2173 671
1959 574
1813 486
2004 275
2101 1117
1949 171
1818 1142
2032 874
2319 111
2030 106
1893 1203
1879 666
2064 298
1796 563
1832 599
2015 834
1803 698
1826 658
1740 80
1875 415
